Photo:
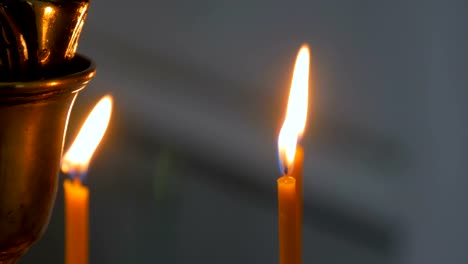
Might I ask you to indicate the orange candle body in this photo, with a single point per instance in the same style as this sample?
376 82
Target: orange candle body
290 192
297 174
76 222
287 220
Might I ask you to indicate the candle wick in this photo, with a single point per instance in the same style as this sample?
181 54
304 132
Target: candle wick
76 177
76 180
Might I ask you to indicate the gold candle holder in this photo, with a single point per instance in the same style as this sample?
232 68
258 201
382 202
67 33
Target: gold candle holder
33 121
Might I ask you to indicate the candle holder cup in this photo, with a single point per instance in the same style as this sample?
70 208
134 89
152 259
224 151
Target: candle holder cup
33 122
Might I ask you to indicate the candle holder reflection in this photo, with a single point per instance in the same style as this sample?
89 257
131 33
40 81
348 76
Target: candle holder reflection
33 119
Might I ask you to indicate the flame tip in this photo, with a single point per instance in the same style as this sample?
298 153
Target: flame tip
304 48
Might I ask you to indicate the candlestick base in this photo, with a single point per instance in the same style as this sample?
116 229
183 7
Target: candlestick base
33 120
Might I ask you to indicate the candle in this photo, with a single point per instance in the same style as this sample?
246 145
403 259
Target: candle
297 174
288 220
75 163
76 222
291 158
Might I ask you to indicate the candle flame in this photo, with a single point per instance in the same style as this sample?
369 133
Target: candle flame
77 158
296 113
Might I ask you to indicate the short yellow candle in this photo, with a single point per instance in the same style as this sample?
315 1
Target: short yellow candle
75 162
76 222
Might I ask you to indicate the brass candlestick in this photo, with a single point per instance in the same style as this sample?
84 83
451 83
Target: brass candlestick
40 76
33 120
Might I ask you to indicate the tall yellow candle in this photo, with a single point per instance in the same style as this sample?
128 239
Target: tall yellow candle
290 187
75 162
297 174
287 220
290 212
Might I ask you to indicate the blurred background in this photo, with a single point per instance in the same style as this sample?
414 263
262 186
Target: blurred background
187 170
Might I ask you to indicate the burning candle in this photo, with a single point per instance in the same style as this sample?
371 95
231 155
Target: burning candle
75 164
291 158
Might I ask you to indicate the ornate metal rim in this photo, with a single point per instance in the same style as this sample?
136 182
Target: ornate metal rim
80 70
